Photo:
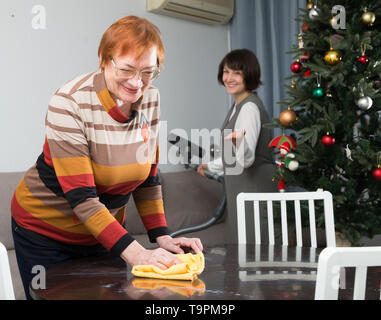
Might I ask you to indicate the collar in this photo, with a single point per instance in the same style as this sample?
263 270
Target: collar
108 103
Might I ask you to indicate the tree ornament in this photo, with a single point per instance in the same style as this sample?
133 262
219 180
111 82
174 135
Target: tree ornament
318 91
283 143
284 148
331 21
332 57
368 17
310 5
328 140
305 56
286 117
293 83
348 153
376 173
364 102
300 40
363 59
281 186
296 66
290 162
314 12
307 73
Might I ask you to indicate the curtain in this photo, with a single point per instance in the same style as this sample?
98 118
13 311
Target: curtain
269 29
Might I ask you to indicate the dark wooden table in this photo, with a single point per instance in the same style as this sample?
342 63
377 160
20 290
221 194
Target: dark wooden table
232 272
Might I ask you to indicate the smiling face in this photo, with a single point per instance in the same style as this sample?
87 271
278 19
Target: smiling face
233 81
129 90
240 73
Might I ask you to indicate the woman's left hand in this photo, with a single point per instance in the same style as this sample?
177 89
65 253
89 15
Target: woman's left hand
236 137
175 244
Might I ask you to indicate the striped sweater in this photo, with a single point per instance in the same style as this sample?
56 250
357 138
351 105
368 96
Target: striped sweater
93 159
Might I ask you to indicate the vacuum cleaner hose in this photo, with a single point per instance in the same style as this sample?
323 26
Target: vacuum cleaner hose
218 212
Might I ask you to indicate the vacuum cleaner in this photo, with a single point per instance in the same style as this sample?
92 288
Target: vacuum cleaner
187 150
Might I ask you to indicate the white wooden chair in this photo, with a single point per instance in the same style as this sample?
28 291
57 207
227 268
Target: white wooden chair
269 199
332 259
297 197
6 286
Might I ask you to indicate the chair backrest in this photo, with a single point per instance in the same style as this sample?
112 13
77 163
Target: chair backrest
330 262
282 198
6 286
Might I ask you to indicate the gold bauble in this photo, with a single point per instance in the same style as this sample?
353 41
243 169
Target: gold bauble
331 21
286 117
368 17
332 57
310 5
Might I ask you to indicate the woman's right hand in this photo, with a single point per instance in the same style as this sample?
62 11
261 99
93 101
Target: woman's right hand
135 254
201 168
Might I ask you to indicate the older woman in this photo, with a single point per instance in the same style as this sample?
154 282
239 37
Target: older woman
101 147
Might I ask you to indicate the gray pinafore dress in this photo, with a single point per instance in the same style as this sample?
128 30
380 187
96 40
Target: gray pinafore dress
256 178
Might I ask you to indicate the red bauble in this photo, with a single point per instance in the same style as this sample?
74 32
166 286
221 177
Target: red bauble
363 59
307 73
328 140
296 67
377 174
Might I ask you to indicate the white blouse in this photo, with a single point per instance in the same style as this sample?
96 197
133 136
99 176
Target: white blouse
249 119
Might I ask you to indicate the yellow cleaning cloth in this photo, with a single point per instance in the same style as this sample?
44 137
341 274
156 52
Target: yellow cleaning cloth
184 288
193 265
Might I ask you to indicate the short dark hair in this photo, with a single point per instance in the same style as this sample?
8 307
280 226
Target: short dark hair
246 61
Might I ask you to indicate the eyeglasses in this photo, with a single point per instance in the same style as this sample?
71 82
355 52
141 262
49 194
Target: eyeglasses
129 73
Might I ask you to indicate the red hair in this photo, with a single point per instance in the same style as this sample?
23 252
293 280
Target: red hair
130 34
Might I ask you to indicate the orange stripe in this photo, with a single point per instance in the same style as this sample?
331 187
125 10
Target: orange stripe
148 207
105 99
47 214
72 166
27 220
99 221
108 176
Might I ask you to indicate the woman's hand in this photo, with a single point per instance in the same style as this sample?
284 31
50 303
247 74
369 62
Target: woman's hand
236 137
201 168
176 244
135 254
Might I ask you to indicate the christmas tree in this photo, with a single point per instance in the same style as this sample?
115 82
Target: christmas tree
331 121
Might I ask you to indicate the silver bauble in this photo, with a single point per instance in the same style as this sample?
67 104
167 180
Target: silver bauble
293 165
364 103
313 13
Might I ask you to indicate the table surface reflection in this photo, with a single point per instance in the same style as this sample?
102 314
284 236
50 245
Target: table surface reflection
232 272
